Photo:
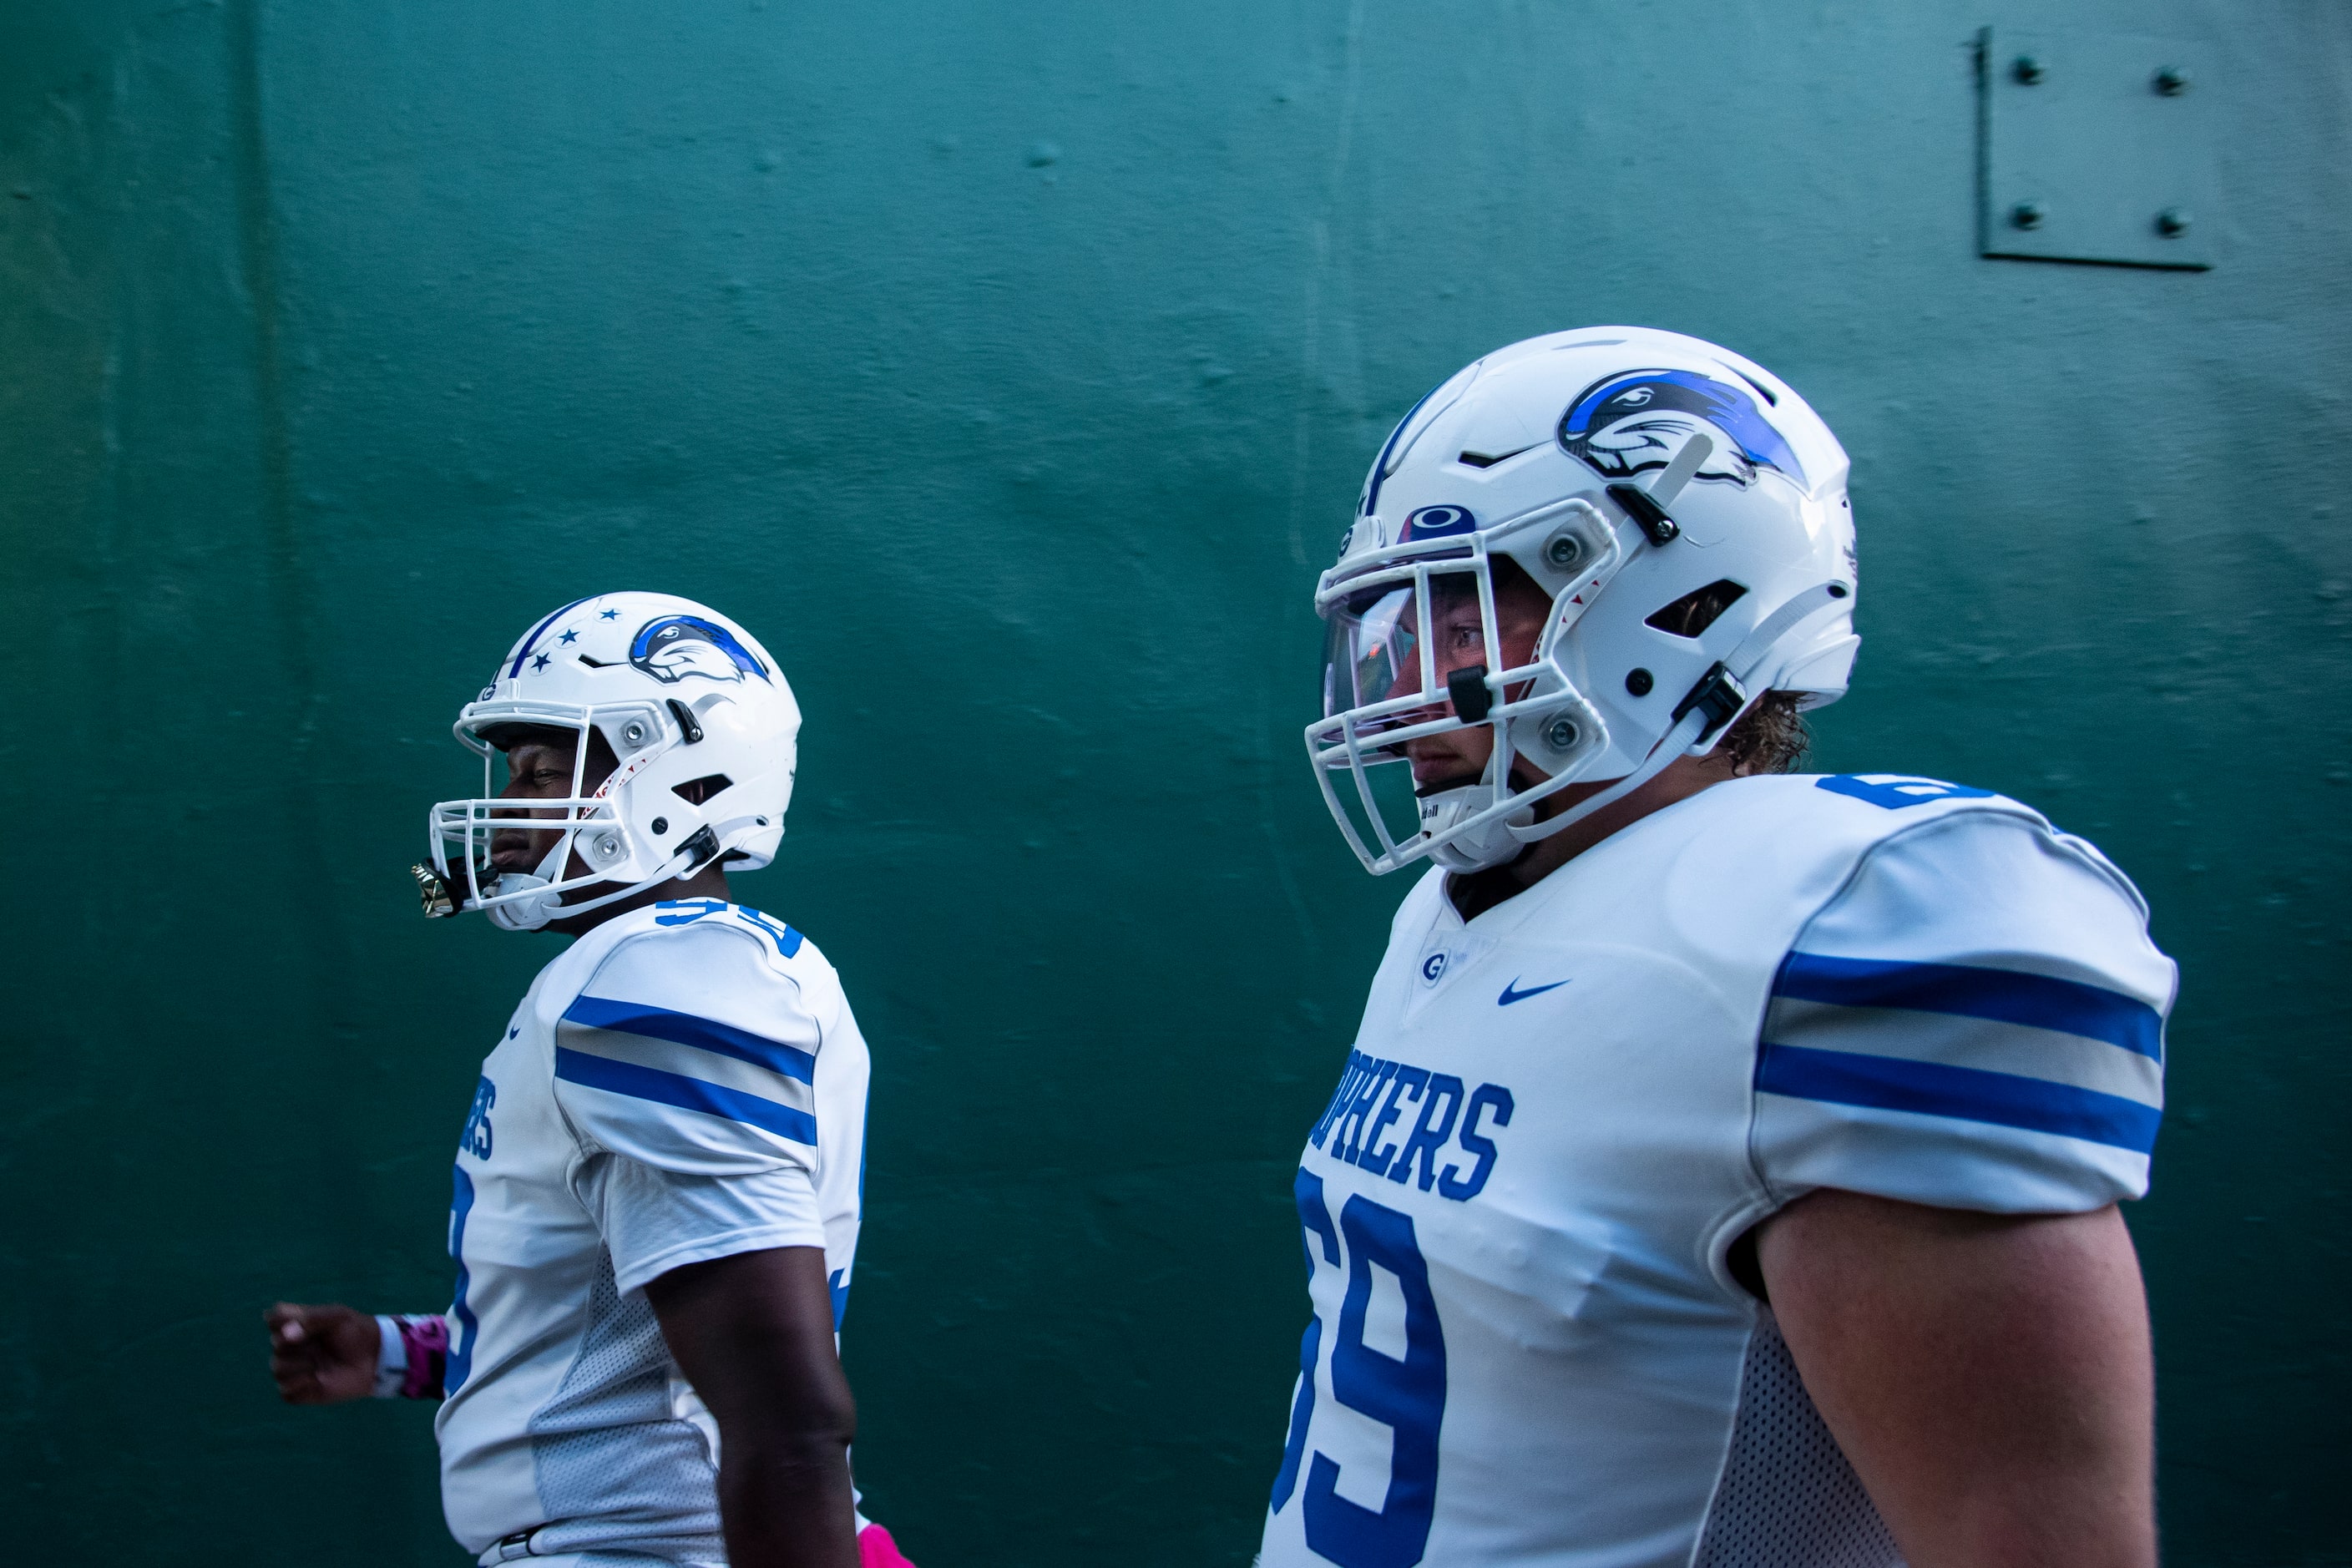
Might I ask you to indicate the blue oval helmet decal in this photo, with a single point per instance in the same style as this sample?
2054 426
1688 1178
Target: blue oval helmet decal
1438 523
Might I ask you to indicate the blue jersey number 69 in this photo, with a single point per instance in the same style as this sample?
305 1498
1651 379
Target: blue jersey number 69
1407 1396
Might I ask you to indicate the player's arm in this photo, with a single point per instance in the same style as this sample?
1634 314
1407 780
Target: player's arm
1971 1034
753 1332
1988 1375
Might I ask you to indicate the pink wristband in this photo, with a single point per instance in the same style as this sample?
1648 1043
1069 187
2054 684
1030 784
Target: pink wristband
426 1340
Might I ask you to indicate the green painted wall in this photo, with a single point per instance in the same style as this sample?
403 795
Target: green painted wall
1010 369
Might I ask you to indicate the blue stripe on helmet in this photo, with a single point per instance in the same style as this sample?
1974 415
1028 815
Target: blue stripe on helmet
537 632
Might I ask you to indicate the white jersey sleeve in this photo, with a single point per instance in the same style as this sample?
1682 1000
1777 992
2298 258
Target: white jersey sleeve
687 1067
654 1221
1974 1021
688 1049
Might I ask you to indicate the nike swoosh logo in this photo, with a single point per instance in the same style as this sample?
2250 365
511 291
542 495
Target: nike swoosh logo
1510 996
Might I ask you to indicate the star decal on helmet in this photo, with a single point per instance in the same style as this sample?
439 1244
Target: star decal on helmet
608 614
568 636
538 662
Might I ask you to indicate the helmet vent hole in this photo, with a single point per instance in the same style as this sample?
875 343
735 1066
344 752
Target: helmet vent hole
1695 611
1488 460
694 792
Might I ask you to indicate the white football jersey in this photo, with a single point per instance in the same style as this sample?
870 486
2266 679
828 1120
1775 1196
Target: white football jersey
685 1082
1528 1347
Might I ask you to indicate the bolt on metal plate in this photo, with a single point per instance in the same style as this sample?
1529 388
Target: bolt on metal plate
2096 147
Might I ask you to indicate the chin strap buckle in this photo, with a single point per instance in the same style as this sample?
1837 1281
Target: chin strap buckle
699 850
1716 695
1643 508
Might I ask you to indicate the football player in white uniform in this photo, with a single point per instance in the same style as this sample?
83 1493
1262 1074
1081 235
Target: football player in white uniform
657 1187
1726 1169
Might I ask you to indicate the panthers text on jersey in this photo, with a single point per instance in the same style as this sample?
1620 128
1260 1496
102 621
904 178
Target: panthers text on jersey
1558 1118
685 1082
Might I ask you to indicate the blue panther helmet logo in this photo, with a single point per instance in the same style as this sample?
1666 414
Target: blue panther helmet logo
677 647
1636 420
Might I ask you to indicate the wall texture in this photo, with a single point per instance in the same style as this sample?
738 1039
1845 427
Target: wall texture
1010 369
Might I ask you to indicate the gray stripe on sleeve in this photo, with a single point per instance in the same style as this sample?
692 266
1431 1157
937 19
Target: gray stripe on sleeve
1984 1044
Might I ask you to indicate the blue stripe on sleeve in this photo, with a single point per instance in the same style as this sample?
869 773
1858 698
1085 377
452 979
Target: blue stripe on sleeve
686 1093
686 1029
1969 1094
2005 995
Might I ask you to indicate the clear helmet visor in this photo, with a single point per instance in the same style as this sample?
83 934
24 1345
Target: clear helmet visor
1389 650
1393 652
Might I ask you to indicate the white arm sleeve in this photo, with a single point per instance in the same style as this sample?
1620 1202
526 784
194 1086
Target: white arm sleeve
1975 1022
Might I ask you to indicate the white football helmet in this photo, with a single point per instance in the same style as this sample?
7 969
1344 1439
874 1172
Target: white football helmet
1645 481
701 719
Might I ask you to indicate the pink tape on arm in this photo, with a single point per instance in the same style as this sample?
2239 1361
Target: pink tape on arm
426 1340
877 1550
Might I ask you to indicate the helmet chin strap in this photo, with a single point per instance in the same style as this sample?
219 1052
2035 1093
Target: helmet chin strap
1672 745
532 914
1487 844
1705 713
1483 846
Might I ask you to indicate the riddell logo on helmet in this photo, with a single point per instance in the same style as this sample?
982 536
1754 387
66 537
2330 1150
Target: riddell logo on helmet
681 648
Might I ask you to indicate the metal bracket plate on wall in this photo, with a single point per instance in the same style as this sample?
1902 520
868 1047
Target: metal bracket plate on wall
2095 147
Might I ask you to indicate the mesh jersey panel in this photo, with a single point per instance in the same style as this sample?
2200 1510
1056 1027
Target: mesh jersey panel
1788 1498
609 1445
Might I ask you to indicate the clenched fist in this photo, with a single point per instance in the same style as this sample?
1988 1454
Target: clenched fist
322 1355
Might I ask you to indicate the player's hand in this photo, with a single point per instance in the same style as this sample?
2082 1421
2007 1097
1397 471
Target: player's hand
322 1355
